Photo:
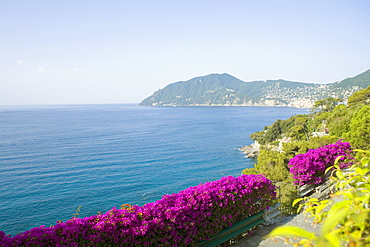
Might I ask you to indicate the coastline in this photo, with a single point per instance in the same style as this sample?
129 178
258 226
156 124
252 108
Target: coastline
252 150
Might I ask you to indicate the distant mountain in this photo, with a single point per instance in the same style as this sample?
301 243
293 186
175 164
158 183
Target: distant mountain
226 90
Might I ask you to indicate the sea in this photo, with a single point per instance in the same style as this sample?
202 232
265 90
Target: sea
58 161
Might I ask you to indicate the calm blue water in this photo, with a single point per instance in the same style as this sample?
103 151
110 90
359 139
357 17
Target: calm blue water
56 158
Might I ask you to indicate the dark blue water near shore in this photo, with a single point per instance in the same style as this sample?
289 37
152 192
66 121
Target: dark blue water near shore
56 158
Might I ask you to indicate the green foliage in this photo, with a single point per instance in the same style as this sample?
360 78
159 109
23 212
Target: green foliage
359 129
299 130
272 164
287 193
338 120
275 143
360 97
351 123
251 171
299 147
259 136
345 217
327 104
274 131
360 80
318 122
295 127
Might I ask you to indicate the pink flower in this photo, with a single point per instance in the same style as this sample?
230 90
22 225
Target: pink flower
309 168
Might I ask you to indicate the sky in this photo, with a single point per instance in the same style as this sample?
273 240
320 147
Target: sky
108 52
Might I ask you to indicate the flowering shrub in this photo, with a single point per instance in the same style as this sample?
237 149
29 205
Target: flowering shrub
181 219
344 218
309 168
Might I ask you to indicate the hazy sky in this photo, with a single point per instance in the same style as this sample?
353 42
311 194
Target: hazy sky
82 52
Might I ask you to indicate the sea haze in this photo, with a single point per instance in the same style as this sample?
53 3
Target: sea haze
56 158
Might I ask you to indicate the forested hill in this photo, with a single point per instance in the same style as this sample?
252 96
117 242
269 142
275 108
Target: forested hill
227 90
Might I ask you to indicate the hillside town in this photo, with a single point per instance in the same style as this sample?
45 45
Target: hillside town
306 95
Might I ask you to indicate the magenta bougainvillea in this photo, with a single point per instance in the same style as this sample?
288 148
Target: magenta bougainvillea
309 168
181 219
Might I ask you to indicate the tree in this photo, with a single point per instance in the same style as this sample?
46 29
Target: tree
272 164
327 104
299 131
300 147
359 129
295 125
338 121
274 131
360 97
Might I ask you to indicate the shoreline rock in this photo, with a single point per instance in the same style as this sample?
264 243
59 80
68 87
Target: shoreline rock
251 151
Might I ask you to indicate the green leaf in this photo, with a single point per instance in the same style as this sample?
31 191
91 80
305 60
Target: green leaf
336 161
320 208
314 200
362 151
296 201
340 206
339 174
291 231
360 171
365 161
333 219
329 169
359 220
331 239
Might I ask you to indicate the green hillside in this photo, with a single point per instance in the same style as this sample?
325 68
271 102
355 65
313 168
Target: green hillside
227 90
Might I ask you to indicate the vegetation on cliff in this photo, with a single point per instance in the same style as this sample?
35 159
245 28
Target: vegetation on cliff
329 117
329 122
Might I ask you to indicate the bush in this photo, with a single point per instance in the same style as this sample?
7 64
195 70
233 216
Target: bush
309 168
253 171
345 217
181 219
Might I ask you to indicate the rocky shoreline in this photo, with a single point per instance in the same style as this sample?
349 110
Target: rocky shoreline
251 151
